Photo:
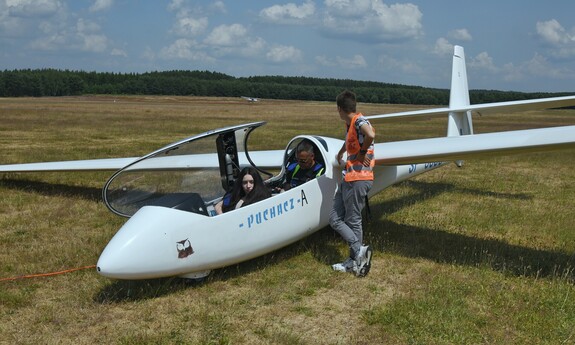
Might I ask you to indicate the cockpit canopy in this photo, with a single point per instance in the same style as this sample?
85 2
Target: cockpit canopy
188 174
193 174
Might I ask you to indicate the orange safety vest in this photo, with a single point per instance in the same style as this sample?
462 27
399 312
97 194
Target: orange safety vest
355 170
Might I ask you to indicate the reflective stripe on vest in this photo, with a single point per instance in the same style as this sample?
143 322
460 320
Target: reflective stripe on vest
294 180
355 170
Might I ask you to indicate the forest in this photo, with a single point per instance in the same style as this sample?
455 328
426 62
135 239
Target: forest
54 83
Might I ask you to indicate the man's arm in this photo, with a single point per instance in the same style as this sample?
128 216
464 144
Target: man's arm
339 155
368 138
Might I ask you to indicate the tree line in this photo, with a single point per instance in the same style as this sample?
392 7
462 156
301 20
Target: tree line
53 82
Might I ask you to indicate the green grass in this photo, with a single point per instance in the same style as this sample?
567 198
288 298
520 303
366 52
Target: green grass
482 254
479 308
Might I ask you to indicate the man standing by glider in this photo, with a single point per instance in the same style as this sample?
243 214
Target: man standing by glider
351 196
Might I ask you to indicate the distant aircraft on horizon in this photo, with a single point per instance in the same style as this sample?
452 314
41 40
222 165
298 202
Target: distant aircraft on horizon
250 99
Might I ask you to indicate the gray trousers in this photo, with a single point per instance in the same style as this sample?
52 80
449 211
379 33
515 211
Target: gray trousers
345 216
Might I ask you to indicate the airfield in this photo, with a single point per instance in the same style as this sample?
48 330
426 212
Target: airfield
472 255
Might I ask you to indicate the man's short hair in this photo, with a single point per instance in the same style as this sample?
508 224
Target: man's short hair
306 146
346 101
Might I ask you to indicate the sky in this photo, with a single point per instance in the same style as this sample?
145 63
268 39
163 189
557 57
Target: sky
511 45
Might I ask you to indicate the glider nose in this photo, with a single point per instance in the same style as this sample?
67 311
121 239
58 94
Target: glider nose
144 247
111 265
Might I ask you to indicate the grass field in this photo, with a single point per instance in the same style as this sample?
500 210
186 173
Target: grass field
483 254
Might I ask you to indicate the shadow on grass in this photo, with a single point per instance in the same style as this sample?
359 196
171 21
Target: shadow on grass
431 190
445 247
51 189
401 239
457 249
135 290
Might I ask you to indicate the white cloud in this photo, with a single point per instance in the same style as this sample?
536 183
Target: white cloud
101 5
218 6
189 27
373 20
482 61
536 70
86 26
94 43
89 36
223 40
284 53
553 32
324 61
175 5
22 18
227 35
185 49
354 8
33 8
48 21
253 46
184 8
50 42
10 26
119 52
442 47
357 61
460 34
561 41
84 36
288 13
564 52
511 73
539 66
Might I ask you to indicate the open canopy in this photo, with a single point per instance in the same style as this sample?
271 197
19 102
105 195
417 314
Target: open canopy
185 175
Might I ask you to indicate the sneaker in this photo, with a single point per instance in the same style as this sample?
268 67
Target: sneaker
348 265
363 261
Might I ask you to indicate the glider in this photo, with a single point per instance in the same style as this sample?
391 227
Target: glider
169 195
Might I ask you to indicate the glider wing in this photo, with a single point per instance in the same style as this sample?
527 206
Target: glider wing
485 108
110 164
473 146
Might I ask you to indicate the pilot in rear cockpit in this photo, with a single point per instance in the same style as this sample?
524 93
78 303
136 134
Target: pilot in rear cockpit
304 168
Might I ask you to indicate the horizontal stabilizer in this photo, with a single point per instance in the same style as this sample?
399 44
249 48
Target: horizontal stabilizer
472 146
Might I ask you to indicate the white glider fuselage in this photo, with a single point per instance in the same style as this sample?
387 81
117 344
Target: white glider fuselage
159 242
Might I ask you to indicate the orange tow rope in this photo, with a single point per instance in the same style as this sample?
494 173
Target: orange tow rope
47 274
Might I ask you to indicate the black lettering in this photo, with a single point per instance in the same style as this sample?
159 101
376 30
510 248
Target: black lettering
303 197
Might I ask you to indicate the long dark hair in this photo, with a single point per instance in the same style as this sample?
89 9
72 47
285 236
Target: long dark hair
258 193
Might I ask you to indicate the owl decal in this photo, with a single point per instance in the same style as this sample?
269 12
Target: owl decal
184 248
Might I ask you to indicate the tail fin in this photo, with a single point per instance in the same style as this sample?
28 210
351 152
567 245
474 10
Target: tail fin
459 123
